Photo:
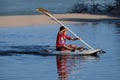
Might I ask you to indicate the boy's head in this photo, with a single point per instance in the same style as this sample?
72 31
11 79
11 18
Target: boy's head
62 28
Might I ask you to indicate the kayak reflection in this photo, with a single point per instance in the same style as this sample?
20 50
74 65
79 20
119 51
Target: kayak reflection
66 65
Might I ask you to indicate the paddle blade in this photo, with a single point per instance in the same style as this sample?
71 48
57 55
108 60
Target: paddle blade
43 11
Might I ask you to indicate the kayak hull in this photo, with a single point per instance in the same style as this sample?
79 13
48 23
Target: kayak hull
77 52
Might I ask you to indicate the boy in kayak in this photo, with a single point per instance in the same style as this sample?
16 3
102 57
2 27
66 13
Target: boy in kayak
61 41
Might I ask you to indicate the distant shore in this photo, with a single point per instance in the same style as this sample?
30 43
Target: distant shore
28 20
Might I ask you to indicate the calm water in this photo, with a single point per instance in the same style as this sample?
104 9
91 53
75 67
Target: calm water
28 7
103 35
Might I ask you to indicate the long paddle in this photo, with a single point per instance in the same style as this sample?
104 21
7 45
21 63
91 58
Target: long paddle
44 11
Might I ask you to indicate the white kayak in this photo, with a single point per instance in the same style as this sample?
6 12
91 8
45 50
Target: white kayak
76 52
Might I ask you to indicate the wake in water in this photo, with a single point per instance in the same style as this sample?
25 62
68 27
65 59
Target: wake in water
36 50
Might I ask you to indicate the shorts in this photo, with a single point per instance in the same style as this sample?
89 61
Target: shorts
59 48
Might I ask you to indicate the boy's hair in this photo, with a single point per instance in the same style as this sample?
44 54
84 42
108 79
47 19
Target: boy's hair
61 28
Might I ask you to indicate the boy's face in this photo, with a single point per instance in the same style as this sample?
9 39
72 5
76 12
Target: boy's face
65 31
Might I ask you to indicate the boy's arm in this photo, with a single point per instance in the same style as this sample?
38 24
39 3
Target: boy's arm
74 39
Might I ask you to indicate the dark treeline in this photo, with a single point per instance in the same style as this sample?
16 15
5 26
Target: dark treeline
118 3
116 9
93 7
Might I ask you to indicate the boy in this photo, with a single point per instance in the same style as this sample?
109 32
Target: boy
61 41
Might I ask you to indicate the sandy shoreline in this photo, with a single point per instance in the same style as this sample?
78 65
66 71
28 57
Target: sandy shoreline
26 20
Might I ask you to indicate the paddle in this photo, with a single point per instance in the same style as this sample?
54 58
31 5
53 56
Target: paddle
44 11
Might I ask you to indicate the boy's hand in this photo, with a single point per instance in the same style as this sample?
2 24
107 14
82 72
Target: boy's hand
77 38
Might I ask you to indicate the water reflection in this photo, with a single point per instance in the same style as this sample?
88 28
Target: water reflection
67 65
118 29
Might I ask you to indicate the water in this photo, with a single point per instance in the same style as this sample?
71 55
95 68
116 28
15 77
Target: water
105 35
28 7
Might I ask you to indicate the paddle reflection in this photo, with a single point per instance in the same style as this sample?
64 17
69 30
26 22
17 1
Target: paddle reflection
67 64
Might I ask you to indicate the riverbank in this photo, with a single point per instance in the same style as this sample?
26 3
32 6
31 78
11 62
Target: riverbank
26 20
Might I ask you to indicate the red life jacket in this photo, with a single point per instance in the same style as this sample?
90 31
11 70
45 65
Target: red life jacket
61 40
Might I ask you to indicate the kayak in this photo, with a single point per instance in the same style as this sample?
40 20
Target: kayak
76 52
